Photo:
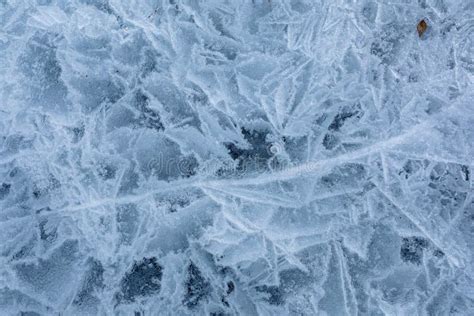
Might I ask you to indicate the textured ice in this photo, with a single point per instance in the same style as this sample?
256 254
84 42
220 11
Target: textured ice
236 157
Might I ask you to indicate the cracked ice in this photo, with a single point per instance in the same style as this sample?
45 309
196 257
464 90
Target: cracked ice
248 157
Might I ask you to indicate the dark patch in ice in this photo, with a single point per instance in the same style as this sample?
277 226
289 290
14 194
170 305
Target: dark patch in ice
144 279
330 141
341 117
230 287
148 118
274 294
197 287
412 249
4 190
47 232
106 171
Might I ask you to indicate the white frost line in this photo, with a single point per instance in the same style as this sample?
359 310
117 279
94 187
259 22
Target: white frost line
258 197
306 169
430 158
123 199
351 301
311 168
383 161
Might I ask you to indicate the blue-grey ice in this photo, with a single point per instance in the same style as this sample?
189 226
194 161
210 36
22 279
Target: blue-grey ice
236 157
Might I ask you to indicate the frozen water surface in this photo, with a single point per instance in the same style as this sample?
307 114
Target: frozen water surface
221 157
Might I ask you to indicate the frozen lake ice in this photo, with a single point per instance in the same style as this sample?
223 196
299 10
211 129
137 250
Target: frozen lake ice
236 157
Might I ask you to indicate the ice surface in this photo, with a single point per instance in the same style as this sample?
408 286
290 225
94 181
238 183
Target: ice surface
247 157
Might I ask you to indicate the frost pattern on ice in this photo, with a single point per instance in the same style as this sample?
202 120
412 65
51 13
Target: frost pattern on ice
253 157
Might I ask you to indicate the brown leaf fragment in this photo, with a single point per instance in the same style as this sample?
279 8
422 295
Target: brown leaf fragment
421 27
